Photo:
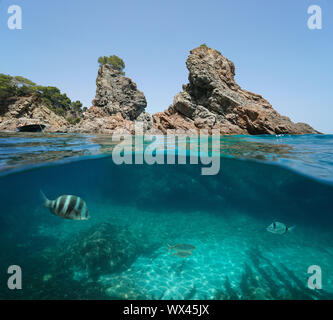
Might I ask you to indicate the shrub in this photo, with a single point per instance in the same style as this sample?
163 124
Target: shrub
73 120
114 61
59 111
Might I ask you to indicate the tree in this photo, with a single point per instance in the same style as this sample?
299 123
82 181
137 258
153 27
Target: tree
114 61
55 97
77 106
21 81
7 89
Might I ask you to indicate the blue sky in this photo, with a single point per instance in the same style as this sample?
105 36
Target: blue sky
274 52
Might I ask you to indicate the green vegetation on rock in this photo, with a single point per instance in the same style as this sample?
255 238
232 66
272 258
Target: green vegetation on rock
73 120
114 61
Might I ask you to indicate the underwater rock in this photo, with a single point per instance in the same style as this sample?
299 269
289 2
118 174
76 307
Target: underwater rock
47 277
213 100
102 249
123 288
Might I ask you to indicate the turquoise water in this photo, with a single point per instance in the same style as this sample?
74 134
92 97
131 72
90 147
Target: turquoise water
136 210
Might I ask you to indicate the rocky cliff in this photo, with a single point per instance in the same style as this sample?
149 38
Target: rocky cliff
117 104
29 110
213 100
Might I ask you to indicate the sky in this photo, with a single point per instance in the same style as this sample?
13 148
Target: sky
274 52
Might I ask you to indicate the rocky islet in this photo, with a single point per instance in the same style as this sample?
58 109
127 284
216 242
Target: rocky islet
212 100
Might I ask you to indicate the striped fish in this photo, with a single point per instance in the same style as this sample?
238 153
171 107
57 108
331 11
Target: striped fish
67 207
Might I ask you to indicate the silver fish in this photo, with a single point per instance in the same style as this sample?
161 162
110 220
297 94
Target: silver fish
181 247
279 228
67 207
182 253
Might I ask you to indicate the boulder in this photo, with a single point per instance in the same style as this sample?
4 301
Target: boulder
213 100
102 249
116 93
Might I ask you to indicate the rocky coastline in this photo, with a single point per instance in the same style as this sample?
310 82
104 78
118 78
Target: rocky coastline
212 100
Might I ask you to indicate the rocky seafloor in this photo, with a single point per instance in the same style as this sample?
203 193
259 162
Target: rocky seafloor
235 258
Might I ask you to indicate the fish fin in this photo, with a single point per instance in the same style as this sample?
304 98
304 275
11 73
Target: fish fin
76 213
46 201
290 229
82 218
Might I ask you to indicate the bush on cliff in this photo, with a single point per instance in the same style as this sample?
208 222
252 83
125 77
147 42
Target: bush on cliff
73 120
114 61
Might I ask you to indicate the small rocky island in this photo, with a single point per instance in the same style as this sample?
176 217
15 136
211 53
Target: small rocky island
117 104
211 100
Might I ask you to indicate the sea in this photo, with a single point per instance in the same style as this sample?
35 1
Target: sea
165 230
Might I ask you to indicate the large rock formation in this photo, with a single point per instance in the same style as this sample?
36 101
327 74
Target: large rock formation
117 98
98 121
29 110
213 100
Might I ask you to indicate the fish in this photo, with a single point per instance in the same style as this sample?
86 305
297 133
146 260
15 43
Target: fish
67 207
182 253
279 228
182 247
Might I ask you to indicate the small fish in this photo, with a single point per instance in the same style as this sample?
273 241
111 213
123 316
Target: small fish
67 207
182 254
279 228
183 247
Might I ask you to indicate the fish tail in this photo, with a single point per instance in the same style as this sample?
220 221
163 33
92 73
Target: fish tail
290 229
46 201
169 247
